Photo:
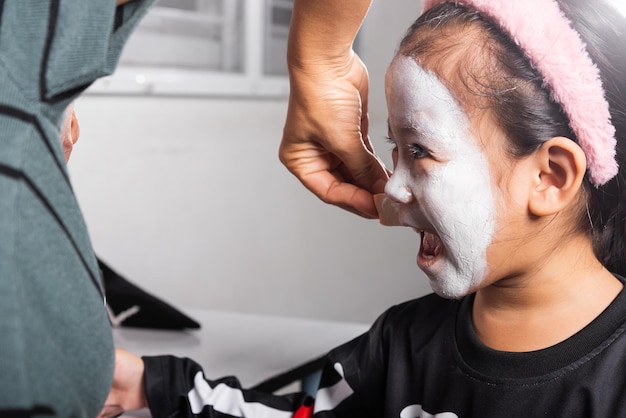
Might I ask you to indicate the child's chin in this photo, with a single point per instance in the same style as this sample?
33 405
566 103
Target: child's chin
449 288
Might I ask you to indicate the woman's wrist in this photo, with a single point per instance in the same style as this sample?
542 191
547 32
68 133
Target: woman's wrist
323 31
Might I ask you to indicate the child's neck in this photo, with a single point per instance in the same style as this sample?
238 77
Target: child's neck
540 309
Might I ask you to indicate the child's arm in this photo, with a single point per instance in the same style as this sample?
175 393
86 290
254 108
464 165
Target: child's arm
325 140
177 387
172 386
351 385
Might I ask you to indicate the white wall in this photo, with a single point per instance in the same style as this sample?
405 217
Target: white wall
186 197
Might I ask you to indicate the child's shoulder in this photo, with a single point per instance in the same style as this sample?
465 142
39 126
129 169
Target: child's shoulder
427 307
420 317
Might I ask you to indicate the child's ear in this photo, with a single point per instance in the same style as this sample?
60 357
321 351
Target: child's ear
559 166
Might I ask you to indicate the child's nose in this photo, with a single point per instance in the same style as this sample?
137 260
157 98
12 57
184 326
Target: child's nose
397 189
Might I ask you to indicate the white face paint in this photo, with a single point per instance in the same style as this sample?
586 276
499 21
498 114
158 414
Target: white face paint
441 179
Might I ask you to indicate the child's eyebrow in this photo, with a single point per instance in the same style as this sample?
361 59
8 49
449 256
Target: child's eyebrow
409 127
413 129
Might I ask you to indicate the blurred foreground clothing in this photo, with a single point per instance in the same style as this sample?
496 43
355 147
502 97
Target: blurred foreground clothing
56 348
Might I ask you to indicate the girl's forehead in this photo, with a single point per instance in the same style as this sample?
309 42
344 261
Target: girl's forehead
416 98
408 83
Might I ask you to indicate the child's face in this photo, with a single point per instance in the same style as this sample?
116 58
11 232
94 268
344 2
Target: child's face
441 178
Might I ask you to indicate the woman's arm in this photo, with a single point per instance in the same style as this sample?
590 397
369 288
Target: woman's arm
324 30
325 140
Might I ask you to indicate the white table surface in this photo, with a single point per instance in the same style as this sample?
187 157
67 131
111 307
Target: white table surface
250 346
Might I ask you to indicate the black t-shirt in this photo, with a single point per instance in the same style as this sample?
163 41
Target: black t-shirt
423 359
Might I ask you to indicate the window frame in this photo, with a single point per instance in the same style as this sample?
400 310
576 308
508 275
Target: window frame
251 82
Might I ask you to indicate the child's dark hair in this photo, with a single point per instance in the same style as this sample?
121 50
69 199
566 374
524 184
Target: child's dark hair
514 92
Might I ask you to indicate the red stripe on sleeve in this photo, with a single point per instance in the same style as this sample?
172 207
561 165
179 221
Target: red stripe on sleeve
304 412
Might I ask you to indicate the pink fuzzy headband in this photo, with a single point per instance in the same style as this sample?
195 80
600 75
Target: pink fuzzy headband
546 36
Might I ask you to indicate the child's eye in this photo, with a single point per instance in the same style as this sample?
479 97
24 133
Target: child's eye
417 151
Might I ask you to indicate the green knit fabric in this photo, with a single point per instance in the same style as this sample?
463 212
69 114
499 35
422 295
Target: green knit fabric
56 349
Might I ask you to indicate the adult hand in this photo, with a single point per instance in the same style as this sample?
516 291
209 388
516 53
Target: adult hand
120 2
325 142
128 392
70 131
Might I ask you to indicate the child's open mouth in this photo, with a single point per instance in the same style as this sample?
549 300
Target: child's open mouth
430 249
